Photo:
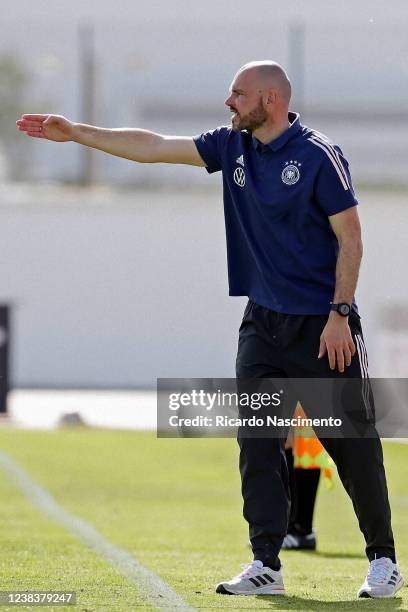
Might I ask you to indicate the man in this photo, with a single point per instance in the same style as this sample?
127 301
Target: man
294 248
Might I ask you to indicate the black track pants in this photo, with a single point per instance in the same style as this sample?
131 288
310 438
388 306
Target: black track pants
275 345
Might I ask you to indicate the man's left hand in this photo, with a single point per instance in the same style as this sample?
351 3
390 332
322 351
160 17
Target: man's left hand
336 340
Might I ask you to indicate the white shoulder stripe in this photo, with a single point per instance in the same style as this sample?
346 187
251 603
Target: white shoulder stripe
316 134
333 150
333 161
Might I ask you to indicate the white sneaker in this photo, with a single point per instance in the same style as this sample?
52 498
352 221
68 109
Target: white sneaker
383 579
254 580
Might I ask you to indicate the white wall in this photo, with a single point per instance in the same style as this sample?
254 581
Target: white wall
114 289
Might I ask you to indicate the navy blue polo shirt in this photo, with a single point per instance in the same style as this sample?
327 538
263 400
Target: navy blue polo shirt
281 249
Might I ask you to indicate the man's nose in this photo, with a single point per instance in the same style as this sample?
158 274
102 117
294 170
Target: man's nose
228 101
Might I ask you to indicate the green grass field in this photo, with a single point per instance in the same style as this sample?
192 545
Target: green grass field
175 505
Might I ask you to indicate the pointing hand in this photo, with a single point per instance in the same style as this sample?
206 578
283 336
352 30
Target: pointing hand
51 127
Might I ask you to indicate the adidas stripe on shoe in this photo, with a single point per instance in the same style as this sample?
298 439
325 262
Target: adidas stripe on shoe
383 579
255 579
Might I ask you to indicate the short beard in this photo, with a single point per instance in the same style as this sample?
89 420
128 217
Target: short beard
253 120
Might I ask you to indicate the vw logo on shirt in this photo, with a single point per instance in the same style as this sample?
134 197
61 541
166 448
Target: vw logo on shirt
239 176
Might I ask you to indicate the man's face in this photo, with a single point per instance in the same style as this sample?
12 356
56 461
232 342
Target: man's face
245 102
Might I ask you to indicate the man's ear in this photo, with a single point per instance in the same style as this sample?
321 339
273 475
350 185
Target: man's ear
271 96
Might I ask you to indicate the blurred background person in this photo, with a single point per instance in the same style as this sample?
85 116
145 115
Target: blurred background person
306 459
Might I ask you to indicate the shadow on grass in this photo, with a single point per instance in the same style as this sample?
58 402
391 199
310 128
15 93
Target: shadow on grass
303 603
330 555
339 555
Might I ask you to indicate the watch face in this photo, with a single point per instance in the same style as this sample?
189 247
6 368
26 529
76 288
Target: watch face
344 309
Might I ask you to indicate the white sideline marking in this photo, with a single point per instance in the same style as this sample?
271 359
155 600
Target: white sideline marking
158 592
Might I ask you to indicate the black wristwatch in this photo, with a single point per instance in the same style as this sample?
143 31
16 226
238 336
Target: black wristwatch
342 308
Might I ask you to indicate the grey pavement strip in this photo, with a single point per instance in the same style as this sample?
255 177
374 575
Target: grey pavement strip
157 592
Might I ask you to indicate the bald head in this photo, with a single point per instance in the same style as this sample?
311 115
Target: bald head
259 99
268 74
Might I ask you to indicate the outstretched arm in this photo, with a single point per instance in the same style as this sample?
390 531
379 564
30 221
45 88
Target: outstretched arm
130 143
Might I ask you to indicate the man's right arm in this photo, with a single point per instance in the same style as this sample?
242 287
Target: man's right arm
130 143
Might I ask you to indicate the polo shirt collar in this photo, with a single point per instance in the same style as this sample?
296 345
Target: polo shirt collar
278 143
